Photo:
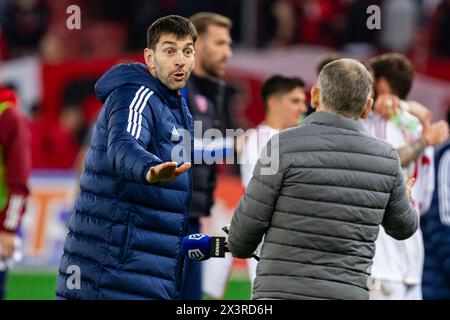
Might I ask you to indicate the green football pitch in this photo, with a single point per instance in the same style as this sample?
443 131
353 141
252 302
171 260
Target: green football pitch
24 285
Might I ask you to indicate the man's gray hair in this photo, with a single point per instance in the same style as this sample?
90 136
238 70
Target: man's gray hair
345 85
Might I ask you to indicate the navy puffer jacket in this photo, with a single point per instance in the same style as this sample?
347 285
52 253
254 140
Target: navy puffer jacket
125 234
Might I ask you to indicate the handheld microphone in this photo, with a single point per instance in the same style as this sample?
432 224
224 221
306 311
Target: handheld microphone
201 247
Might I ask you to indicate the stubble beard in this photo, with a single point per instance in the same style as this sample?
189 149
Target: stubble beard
165 78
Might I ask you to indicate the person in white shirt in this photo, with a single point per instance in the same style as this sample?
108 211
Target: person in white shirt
285 103
397 266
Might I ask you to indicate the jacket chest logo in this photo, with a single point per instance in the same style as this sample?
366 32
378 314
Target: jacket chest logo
175 134
201 102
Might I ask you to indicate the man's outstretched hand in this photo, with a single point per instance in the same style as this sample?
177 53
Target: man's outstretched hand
166 172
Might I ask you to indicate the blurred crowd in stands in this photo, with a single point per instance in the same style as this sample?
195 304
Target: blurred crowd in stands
113 26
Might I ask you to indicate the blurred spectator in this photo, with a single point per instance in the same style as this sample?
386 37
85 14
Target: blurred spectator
323 21
24 76
307 21
23 22
229 8
440 30
397 265
285 24
56 146
357 35
101 21
205 94
51 48
398 34
81 96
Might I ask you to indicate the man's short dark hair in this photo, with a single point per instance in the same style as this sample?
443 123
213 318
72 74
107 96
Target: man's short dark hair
278 85
202 20
396 70
179 26
329 57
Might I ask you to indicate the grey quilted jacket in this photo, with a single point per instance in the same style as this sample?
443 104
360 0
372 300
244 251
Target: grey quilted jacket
320 213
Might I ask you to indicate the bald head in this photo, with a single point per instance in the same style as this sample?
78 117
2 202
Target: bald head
345 86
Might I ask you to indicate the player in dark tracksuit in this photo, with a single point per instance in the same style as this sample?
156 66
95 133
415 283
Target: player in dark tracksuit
206 95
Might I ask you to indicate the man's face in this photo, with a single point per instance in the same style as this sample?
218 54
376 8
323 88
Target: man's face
291 106
214 49
172 60
381 87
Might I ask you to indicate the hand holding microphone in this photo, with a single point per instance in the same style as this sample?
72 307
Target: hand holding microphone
201 247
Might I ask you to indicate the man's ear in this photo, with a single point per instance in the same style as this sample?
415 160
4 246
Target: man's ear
149 57
367 109
272 102
199 44
315 97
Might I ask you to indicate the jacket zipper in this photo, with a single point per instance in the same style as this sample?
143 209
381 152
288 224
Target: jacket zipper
179 276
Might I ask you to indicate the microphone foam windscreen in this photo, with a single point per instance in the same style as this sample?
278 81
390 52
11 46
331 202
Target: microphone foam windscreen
197 246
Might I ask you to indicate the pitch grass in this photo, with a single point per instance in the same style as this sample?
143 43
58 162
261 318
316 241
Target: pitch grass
25 285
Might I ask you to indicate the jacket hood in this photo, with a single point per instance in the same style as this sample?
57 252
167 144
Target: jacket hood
131 73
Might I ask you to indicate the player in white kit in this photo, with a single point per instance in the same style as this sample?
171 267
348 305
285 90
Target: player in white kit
397 267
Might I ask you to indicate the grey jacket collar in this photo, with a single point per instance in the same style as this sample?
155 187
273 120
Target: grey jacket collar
332 119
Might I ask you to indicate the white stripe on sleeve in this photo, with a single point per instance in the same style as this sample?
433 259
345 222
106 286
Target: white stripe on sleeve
135 113
13 212
130 114
144 103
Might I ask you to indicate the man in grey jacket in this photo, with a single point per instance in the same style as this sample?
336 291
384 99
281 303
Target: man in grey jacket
321 209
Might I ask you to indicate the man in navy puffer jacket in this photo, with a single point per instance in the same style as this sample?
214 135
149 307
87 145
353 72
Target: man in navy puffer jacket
130 216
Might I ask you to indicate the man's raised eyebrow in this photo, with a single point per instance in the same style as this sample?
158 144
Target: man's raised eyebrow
174 43
169 43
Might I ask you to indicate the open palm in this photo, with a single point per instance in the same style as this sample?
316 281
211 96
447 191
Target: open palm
166 172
